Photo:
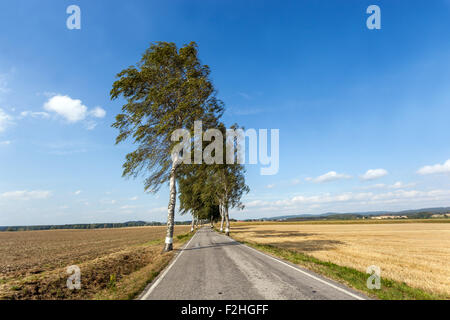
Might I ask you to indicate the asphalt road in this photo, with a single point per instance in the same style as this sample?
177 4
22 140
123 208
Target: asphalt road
214 266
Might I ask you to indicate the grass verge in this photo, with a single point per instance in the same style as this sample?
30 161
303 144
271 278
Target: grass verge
390 289
133 284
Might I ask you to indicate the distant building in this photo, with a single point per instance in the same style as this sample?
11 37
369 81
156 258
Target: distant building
389 217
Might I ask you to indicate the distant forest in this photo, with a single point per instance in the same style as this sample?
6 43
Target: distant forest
353 216
89 226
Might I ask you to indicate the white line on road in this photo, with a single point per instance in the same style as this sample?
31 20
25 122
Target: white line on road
307 274
149 291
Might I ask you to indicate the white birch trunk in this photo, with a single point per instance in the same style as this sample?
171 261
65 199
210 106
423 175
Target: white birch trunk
222 218
171 210
192 224
227 218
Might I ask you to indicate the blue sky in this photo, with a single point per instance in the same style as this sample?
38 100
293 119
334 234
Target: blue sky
346 100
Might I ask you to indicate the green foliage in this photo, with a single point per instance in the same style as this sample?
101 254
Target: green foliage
203 188
89 226
112 282
184 237
168 89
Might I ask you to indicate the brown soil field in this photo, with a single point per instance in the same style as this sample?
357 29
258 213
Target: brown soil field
33 263
417 254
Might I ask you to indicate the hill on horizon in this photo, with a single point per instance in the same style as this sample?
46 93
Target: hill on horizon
418 213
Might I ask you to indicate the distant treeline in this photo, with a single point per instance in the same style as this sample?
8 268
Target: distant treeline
89 226
416 215
413 214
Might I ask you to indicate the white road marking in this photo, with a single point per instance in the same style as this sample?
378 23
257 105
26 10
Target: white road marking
150 290
307 274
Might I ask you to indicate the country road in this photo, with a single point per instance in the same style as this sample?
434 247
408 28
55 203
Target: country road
214 266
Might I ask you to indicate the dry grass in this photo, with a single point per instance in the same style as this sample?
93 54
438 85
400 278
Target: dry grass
415 253
33 263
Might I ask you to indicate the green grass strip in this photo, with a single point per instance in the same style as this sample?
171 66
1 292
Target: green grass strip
390 289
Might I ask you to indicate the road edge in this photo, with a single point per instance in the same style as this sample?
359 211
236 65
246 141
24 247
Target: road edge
152 285
318 277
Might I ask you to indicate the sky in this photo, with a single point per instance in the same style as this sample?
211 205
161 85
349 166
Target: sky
362 114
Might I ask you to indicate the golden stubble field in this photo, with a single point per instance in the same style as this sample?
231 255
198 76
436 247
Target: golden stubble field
415 253
33 263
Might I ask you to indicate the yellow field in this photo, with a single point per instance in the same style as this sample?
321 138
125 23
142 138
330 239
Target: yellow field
415 253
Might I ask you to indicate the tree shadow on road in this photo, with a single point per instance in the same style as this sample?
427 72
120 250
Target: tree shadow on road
309 245
278 234
214 245
293 240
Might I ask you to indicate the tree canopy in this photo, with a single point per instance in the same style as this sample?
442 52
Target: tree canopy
168 89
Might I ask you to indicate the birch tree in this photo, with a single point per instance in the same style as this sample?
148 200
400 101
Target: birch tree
224 184
167 89
232 181
229 183
194 196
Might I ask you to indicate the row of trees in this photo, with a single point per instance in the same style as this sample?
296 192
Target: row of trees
170 89
86 226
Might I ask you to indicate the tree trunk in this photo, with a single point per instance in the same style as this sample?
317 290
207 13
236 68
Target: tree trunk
222 216
171 210
227 218
192 224
212 225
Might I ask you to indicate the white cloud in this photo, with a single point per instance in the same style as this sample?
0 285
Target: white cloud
437 168
245 95
126 207
4 84
5 120
397 185
70 109
26 195
330 176
158 210
401 185
98 112
90 125
47 94
108 201
5 143
32 114
351 202
134 198
375 186
77 192
373 174
270 186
